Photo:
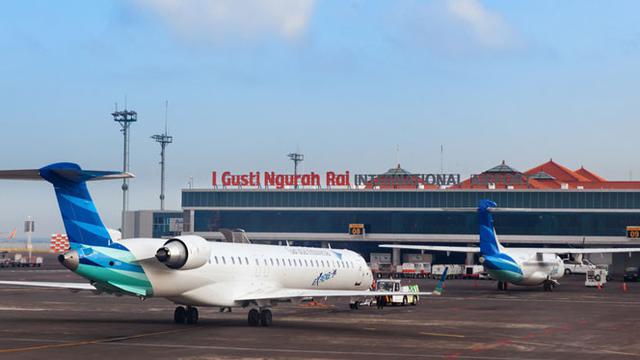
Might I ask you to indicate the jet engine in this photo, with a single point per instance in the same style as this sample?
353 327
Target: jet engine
184 252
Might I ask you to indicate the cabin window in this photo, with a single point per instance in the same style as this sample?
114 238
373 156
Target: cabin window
257 262
233 261
305 263
317 263
271 259
224 261
265 262
289 262
216 259
277 262
299 262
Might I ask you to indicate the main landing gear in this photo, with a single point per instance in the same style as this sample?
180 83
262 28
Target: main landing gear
188 315
548 285
260 317
502 285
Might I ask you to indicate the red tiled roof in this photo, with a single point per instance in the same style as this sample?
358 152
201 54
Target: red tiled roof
559 172
590 175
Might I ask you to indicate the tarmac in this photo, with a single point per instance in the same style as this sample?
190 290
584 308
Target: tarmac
472 320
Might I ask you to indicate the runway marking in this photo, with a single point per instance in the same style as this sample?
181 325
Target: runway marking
595 301
302 351
90 342
9 308
442 334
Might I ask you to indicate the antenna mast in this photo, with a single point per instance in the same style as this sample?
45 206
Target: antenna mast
125 118
163 139
296 158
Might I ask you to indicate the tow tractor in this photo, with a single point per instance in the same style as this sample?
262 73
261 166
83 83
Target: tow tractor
395 285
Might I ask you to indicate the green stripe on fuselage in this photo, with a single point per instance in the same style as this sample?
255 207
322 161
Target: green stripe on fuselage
134 283
505 275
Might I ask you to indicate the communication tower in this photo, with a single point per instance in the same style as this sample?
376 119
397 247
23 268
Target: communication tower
125 118
296 158
164 140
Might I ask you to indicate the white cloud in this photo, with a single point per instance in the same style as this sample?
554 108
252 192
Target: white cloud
487 28
218 19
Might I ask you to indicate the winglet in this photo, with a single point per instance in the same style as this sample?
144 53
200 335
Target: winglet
440 286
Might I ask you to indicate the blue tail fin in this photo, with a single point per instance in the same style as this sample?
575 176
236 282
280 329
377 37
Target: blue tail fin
79 214
489 244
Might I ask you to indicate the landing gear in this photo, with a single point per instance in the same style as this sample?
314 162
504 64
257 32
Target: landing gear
192 315
502 285
256 317
180 315
266 319
548 285
354 305
188 315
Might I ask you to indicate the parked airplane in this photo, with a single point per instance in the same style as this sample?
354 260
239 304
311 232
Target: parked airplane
519 266
189 270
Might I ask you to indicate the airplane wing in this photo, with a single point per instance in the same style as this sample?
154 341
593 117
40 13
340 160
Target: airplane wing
58 285
584 250
317 293
281 294
464 249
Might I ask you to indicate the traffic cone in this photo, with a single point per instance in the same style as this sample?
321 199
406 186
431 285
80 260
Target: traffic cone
625 287
599 286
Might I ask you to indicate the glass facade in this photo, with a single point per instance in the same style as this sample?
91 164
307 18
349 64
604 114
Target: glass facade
529 199
416 222
166 224
586 212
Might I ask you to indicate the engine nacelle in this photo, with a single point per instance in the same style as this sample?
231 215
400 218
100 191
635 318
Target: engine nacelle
184 252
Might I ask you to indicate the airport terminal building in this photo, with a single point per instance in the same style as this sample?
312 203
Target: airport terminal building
547 205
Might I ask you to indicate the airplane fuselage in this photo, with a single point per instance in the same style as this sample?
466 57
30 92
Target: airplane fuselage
523 267
232 269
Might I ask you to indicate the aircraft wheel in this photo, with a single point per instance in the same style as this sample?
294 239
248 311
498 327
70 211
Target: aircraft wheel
415 300
405 301
266 318
180 315
356 305
192 315
254 317
500 286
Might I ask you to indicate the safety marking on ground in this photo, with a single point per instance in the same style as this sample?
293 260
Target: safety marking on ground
441 334
264 350
90 341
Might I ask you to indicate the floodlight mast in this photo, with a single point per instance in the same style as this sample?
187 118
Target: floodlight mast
163 139
296 158
125 118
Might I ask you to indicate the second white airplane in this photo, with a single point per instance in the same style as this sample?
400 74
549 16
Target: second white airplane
519 266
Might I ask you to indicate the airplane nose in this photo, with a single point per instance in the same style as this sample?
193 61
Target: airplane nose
70 260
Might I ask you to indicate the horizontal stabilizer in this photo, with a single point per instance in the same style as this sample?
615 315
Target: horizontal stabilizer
65 171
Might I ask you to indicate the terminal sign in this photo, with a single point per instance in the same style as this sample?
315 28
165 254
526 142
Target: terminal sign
633 232
356 229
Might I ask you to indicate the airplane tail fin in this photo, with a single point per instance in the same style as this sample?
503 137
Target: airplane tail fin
489 244
440 286
79 214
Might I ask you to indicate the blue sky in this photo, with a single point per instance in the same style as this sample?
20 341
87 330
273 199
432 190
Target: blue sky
345 82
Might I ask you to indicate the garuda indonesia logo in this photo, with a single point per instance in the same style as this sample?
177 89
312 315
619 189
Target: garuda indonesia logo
339 255
324 277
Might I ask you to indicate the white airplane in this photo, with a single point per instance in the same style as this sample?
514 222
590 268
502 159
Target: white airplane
188 270
519 266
